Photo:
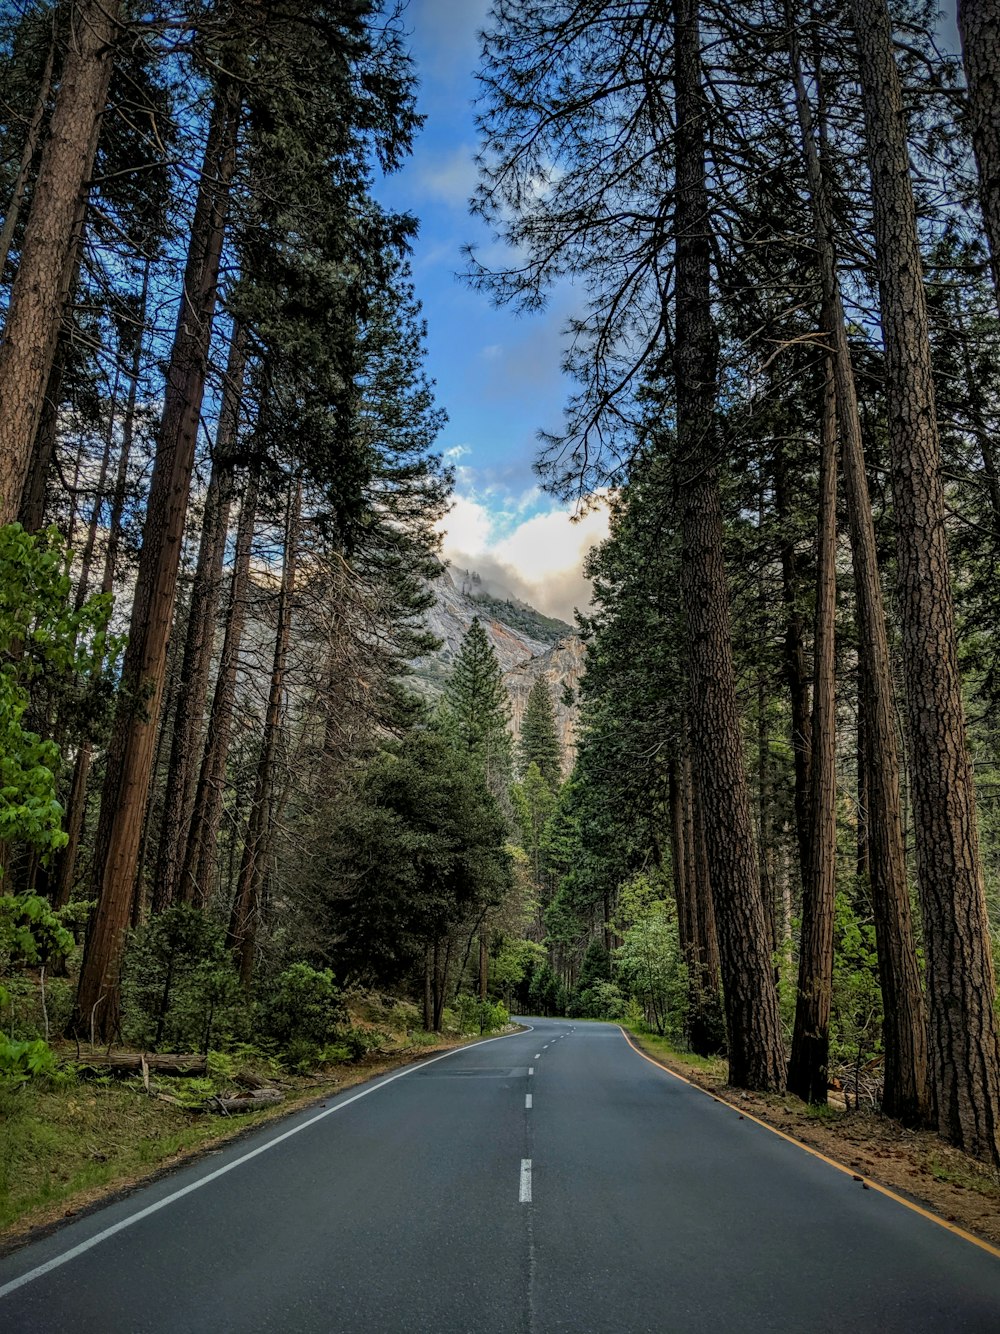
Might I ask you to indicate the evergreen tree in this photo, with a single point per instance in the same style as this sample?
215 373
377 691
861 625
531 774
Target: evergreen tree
539 740
479 710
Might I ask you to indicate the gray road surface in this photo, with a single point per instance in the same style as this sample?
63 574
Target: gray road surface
549 1181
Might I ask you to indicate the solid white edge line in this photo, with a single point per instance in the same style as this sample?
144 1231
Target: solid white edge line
57 1261
527 1102
524 1193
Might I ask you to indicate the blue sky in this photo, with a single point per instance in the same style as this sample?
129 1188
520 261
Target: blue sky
497 374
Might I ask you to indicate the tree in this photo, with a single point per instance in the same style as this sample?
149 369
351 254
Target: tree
479 708
46 263
538 743
961 989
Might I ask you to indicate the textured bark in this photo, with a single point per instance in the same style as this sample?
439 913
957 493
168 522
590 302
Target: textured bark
38 294
964 1046
65 875
130 755
193 683
27 157
905 1094
808 1069
244 919
199 872
794 663
756 1057
979 28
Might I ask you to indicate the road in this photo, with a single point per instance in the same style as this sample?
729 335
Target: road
549 1181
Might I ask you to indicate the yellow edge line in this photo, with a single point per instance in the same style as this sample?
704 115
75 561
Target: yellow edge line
830 1162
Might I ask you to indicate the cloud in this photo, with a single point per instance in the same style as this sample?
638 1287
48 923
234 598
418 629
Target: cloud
450 178
538 558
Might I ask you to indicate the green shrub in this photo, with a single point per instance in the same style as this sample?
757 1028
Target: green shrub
179 987
303 1004
476 1016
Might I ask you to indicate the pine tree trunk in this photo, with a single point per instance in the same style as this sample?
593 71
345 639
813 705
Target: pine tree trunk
244 920
979 27
796 671
193 684
808 1070
38 294
65 875
905 1094
756 1056
198 878
27 157
964 1044
130 755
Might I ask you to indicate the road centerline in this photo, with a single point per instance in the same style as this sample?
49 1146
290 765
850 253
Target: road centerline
524 1188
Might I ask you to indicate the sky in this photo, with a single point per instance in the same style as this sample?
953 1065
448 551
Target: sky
497 374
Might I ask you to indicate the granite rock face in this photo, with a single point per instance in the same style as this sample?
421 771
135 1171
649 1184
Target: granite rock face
533 646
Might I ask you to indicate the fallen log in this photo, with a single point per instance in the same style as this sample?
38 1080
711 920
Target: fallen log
245 1102
125 1062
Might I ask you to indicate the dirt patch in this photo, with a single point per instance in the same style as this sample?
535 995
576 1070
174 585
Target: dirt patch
914 1163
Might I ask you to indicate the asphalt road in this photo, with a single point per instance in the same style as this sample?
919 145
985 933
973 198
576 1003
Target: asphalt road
549 1181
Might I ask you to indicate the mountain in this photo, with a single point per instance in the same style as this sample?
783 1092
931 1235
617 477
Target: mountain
527 643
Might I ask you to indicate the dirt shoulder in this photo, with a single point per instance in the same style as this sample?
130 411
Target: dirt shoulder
918 1165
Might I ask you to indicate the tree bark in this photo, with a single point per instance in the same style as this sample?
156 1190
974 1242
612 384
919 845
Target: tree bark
756 1056
199 639
905 1094
979 29
130 754
27 157
964 1039
38 294
808 1070
198 878
246 906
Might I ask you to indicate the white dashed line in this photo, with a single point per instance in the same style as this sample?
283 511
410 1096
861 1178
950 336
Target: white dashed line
524 1195
538 1054
527 1102
531 1069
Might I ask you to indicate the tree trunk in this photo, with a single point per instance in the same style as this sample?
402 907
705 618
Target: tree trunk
808 1070
27 157
796 671
130 754
980 32
905 1093
964 1038
198 876
246 906
755 1047
38 294
193 682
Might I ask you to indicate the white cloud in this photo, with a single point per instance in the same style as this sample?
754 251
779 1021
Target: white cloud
451 178
539 559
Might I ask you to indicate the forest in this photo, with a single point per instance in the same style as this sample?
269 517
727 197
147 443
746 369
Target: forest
226 812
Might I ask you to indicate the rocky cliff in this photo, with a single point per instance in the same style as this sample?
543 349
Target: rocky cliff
528 645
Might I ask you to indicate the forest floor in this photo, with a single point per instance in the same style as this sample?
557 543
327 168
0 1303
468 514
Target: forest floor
916 1164
66 1148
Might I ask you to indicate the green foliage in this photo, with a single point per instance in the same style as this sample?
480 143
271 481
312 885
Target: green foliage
856 1015
29 1059
478 709
179 985
534 806
30 934
303 1005
477 1016
538 743
519 616
421 843
649 963
47 649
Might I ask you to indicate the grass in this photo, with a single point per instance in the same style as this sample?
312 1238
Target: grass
60 1143
654 1045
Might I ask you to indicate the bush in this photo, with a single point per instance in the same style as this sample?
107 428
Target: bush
179 987
476 1016
304 1005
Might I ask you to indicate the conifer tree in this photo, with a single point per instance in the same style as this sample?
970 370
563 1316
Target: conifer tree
479 709
539 740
